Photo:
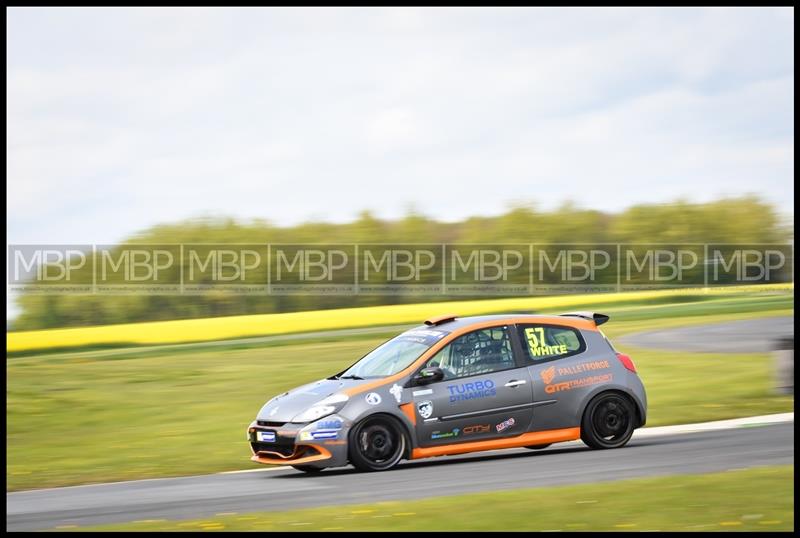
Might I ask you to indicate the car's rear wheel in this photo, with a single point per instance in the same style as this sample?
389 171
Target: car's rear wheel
377 444
538 447
608 421
308 468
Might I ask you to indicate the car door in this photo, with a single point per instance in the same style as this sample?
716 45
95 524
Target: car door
485 394
562 372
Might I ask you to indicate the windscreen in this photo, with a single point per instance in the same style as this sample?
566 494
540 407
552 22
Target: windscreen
395 355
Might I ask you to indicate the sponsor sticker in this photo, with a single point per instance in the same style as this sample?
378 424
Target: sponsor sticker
472 390
425 409
577 383
477 428
548 374
422 392
265 437
318 434
397 392
506 424
333 424
442 435
373 398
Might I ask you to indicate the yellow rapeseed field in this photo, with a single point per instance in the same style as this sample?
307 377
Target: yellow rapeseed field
208 329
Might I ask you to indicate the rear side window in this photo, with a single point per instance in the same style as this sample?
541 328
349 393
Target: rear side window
544 342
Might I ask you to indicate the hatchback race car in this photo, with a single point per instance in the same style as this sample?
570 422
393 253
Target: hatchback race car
458 385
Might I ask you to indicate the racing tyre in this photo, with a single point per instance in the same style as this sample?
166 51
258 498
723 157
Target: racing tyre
376 444
608 421
538 447
307 468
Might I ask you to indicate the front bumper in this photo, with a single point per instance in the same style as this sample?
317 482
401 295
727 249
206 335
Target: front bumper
289 449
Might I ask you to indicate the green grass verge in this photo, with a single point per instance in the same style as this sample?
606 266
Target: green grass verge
75 419
758 499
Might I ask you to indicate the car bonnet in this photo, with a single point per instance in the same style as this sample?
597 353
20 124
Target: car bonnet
288 405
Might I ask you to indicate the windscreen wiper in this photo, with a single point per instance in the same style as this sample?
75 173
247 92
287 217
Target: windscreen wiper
351 377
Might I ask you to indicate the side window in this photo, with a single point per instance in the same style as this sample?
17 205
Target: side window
478 352
543 342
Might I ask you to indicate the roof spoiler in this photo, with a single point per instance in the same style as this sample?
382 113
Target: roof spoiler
438 320
598 318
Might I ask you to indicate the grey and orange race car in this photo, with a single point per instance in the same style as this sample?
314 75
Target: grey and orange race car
458 385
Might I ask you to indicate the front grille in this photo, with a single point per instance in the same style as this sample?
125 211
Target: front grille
270 424
284 449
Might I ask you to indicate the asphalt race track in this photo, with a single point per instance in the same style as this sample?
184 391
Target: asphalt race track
568 463
740 336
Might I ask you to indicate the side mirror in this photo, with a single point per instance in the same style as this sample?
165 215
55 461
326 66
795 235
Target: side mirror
429 375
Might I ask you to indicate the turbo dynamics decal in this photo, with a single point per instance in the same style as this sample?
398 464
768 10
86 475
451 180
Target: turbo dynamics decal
425 409
373 398
472 390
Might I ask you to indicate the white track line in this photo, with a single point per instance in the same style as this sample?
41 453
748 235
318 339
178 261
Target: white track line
716 425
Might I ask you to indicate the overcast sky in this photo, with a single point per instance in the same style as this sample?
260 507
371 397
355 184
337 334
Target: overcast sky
120 119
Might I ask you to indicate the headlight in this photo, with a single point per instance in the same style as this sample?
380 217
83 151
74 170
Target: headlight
323 408
313 413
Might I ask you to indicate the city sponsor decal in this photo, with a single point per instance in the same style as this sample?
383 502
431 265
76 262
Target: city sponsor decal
477 428
265 437
373 398
422 392
506 424
537 344
425 409
330 424
318 435
397 392
577 383
472 390
443 435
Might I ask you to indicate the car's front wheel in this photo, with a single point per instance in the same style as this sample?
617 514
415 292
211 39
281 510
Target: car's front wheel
377 444
608 421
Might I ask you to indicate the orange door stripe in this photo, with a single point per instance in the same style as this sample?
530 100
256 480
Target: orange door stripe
531 438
